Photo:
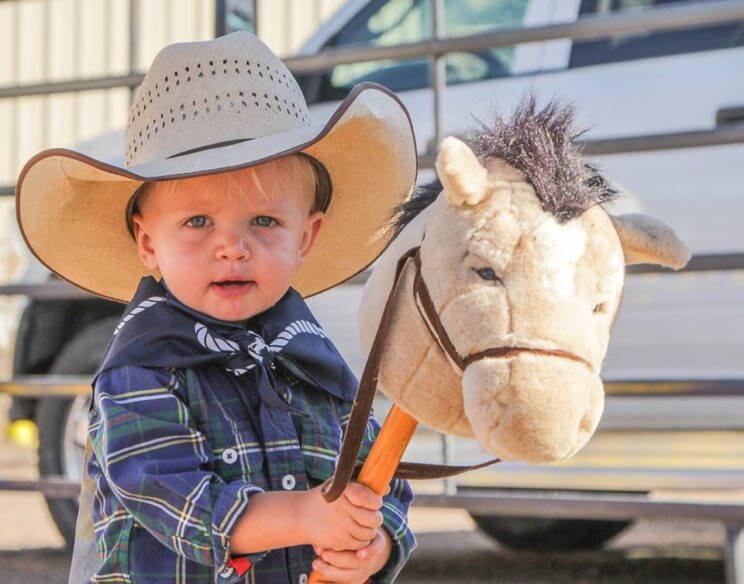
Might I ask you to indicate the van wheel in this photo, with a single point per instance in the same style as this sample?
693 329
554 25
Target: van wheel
63 421
543 534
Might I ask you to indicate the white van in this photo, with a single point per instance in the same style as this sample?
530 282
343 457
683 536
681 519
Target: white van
672 327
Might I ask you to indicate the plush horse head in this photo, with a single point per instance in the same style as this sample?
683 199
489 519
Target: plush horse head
524 268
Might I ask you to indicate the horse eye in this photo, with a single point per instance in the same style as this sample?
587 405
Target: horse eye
487 274
600 308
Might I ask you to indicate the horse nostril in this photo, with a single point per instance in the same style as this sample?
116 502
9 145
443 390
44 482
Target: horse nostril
600 308
586 425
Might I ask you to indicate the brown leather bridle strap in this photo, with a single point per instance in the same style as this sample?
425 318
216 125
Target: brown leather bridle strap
420 470
346 465
511 351
354 434
429 314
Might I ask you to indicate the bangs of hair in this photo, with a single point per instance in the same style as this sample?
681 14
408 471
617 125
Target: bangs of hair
275 178
272 179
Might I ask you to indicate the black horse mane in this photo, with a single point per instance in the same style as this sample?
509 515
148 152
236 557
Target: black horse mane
540 144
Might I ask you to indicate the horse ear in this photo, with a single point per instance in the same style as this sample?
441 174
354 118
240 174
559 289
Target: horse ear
647 240
464 179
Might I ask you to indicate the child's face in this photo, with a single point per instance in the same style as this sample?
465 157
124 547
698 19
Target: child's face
252 225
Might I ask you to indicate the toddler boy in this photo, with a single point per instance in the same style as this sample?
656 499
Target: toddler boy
220 404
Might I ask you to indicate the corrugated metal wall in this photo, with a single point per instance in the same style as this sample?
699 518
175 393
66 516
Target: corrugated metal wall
60 40
55 40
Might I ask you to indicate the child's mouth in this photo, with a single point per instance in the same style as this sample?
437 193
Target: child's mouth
229 288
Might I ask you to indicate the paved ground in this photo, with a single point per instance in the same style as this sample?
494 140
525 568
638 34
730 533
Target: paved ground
450 548
647 553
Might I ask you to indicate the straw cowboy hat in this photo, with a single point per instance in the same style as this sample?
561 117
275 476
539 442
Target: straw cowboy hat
208 107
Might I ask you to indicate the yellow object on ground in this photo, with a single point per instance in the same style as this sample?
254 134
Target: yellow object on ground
23 432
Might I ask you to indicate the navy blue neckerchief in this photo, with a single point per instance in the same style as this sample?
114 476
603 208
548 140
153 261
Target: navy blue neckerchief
158 330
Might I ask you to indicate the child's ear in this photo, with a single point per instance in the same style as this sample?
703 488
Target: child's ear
144 243
312 227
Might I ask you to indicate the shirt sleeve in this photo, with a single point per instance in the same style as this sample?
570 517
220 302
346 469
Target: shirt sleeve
394 509
153 458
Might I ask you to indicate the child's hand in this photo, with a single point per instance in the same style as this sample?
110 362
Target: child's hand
354 567
349 523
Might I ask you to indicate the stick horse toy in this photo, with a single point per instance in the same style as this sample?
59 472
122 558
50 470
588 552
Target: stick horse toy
489 314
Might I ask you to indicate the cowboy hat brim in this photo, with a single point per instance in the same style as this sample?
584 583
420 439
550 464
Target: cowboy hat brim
71 207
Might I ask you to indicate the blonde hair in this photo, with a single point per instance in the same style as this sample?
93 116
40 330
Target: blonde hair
274 178
271 179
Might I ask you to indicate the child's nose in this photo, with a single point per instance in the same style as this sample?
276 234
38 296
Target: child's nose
236 246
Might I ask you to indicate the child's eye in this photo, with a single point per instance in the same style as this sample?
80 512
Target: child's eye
264 221
197 223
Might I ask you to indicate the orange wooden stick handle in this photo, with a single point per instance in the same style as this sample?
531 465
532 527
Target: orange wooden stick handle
382 462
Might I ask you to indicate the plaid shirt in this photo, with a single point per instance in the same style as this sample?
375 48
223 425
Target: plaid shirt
175 460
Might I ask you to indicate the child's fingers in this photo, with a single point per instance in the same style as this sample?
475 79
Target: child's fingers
342 559
366 517
387 491
361 496
357 544
366 534
374 547
333 574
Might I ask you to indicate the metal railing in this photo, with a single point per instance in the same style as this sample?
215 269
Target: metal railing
75 385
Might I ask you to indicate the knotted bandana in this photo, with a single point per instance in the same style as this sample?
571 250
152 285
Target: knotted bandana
158 330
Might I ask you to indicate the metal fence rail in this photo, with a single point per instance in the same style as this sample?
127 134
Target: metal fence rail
562 505
75 385
587 28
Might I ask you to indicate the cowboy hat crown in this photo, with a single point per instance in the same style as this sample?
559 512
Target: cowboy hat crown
202 94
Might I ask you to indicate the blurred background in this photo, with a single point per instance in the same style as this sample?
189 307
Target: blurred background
659 85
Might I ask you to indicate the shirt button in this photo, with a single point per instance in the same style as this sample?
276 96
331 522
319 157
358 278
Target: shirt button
288 482
226 573
229 455
302 579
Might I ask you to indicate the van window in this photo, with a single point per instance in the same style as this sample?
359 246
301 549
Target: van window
392 22
655 44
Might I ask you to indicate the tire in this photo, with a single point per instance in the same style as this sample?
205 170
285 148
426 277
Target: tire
60 453
544 534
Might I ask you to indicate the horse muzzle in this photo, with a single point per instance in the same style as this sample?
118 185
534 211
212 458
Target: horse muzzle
532 405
